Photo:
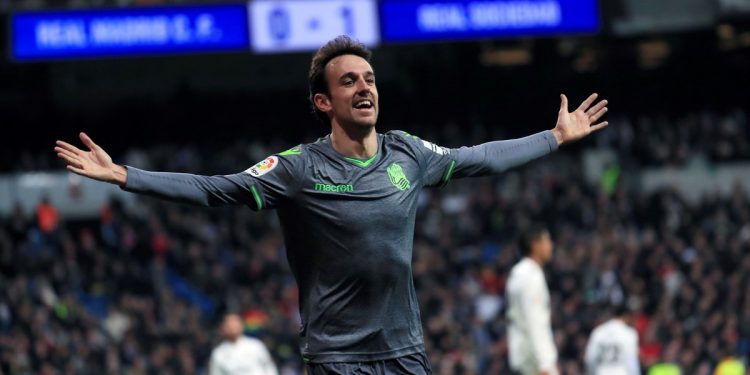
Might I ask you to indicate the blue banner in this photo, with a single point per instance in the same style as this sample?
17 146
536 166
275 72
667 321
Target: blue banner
132 31
437 20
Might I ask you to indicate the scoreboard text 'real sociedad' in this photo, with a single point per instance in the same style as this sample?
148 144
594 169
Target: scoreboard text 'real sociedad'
412 21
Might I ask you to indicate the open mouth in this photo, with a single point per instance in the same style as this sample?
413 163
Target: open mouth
364 105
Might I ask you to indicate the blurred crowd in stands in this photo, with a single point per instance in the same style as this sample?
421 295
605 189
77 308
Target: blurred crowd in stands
141 291
658 140
639 141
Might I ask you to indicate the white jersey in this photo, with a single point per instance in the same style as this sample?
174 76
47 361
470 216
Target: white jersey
613 350
246 356
531 346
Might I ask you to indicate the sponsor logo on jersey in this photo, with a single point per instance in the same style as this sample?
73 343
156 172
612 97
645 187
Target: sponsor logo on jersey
328 188
435 148
397 177
265 166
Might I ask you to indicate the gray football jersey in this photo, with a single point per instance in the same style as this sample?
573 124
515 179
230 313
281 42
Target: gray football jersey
348 226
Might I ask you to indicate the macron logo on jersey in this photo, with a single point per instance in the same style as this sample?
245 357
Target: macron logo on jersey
328 188
265 166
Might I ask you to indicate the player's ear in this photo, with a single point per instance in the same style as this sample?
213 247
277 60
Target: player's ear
322 102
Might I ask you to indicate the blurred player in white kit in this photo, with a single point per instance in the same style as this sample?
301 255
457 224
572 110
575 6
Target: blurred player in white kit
239 354
531 345
613 347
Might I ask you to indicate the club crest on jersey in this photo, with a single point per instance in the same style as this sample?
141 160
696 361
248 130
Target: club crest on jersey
435 148
397 177
265 166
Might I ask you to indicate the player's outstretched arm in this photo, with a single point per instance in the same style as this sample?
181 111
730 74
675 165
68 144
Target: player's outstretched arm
180 187
94 163
572 126
498 156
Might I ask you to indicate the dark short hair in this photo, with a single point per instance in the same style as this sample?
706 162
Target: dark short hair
532 233
341 45
620 309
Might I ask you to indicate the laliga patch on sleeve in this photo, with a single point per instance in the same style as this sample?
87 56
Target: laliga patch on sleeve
265 166
435 148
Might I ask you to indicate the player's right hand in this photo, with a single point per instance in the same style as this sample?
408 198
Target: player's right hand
94 163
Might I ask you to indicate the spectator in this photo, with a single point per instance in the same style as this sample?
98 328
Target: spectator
46 215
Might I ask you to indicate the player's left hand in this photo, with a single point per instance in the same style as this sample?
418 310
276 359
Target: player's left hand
572 126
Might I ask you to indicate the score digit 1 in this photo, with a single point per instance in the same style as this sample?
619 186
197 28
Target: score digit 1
346 13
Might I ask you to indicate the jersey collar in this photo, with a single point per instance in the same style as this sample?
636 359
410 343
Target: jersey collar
362 163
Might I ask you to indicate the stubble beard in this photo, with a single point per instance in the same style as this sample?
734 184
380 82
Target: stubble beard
359 129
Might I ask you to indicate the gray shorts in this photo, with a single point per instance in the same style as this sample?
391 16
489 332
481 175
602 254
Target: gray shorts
412 364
